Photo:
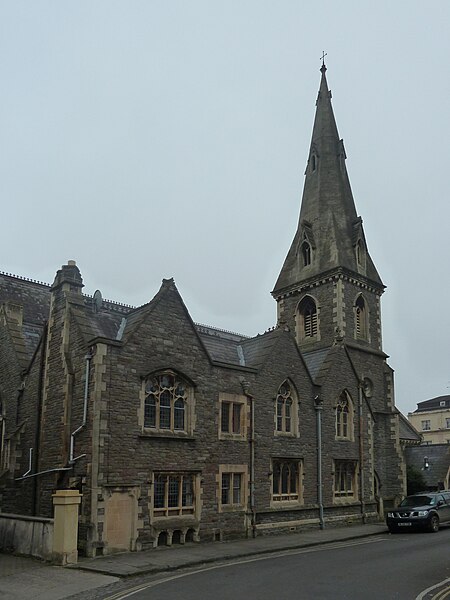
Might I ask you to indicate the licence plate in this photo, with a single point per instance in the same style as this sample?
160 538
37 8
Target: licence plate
404 524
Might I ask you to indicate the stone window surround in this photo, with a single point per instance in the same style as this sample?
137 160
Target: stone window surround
341 469
294 425
292 498
341 422
180 511
233 469
238 400
361 318
313 324
189 410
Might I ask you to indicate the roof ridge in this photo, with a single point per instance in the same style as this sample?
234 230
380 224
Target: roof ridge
21 278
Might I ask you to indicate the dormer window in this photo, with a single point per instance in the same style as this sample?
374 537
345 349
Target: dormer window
313 162
306 253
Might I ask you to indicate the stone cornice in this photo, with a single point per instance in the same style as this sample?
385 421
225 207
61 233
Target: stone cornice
331 275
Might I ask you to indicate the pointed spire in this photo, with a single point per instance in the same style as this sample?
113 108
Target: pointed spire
328 222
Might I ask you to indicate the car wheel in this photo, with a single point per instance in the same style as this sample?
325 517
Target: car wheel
433 526
392 529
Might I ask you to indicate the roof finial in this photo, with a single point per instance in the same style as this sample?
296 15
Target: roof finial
322 58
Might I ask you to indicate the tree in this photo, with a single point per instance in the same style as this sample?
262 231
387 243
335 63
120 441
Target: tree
415 481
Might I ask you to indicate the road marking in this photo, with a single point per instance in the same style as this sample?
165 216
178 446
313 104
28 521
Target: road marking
331 546
445 593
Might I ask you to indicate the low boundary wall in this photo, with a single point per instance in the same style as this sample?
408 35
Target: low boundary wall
29 536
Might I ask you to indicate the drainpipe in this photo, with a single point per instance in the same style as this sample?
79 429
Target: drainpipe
39 415
361 454
73 459
318 405
245 387
30 464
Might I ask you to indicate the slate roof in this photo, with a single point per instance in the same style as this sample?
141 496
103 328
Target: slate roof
439 403
438 460
407 432
314 360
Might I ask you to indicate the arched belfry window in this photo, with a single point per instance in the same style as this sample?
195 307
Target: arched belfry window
306 253
344 417
307 312
286 409
166 402
361 319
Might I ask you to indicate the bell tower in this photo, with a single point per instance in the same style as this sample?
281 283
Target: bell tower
328 287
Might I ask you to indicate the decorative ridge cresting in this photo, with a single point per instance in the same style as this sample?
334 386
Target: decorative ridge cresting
20 278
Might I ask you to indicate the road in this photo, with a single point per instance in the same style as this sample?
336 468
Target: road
397 567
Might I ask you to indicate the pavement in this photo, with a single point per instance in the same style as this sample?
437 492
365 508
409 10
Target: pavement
22 578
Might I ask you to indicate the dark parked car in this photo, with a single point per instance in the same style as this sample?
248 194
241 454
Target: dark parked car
426 510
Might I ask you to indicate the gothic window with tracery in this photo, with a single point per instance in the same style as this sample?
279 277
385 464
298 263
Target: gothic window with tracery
286 480
344 417
285 409
344 479
166 402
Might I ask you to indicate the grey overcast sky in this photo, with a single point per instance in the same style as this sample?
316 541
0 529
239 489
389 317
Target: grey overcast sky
149 139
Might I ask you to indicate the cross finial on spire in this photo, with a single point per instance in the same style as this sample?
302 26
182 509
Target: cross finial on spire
322 58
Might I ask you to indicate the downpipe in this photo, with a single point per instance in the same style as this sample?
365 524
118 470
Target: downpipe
319 408
72 458
361 454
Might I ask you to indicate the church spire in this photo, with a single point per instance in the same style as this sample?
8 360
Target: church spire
329 236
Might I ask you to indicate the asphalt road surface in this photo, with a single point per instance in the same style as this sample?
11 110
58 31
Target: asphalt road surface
384 567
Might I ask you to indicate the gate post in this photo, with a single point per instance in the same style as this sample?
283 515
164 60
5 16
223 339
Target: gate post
65 533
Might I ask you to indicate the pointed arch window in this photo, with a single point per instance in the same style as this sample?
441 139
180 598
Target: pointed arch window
361 319
286 410
306 253
308 318
286 477
166 402
344 417
360 254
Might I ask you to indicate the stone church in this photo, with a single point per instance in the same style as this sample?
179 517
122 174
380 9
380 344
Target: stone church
176 432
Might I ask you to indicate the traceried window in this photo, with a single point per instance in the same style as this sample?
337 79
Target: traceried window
173 494
344 479
286 480
361 319
308 318
344 417
426 425
285 409
232 422
306 253
166 402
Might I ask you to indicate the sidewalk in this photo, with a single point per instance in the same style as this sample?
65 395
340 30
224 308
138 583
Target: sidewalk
24 577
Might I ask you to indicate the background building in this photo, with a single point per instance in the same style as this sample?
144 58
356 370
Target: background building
432 419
